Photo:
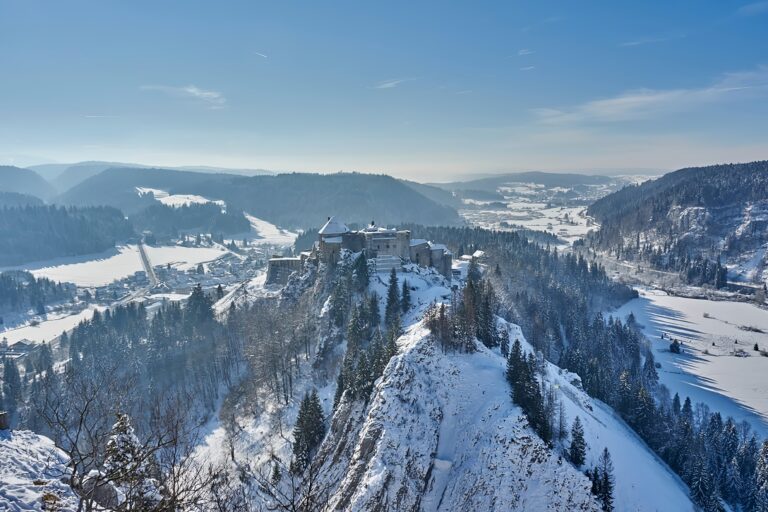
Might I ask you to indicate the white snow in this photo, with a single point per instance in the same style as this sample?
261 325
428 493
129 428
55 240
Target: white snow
91 269
268 233
119 263
734 386
48 329
31 468
446 421
178 200
183 258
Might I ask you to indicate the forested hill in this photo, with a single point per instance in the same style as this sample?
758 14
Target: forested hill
289 200
117 187
714 186
35 233
306 200
24 181
688 220
8 199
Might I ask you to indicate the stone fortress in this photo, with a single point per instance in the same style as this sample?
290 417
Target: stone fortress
388 248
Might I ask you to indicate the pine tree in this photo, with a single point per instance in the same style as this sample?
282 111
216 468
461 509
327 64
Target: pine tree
405 297
317 420
605 470
578 450
308 432
473 271
127 466
360 271
761 480
301 448
355 332
11 385
374 315
392 310
703 489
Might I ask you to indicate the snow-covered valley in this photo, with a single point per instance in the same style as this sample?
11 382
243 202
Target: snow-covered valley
718 365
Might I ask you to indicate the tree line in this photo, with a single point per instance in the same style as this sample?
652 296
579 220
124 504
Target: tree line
21 291
33 233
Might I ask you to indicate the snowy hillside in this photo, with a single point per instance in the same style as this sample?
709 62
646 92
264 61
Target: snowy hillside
441 433
31 469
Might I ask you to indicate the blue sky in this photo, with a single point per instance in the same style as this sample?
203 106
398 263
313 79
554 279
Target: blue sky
429 90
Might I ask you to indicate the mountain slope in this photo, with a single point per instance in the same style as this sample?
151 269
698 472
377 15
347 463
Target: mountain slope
24 181
31 469
11 199
288 200
700 211
66 176
441 433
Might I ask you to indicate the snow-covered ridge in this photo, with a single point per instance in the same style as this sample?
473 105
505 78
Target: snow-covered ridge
31 469
441 433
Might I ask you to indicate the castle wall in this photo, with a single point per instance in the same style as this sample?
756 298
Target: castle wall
280 269
421 254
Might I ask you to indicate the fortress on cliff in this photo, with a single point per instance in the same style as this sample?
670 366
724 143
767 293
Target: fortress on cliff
388 248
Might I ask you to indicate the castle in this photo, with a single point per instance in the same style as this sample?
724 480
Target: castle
388 248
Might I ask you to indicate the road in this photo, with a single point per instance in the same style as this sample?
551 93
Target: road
147 266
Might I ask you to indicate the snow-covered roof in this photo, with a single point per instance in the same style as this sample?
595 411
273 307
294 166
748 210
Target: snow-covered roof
478 254
418 241
334 227
437 247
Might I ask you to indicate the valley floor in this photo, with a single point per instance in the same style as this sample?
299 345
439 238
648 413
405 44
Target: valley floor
718 364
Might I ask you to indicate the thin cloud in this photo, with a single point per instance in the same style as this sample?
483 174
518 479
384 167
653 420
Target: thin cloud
261 55
465 91
99 116
391 84
753 9
527 68
525 51
647 103
650 40
214 99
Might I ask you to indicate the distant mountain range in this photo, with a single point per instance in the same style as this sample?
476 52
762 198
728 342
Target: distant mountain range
65 176
547 179
24 181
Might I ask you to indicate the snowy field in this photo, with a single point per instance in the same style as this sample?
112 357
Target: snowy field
178 200
751 267
268 233
568 223
712 368
48 329
91 269
119 263
181 257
